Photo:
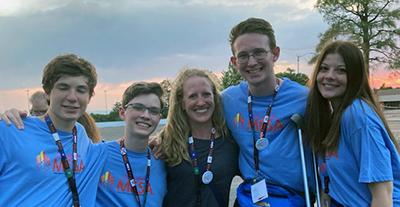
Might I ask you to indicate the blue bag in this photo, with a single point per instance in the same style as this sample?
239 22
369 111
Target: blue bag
277 197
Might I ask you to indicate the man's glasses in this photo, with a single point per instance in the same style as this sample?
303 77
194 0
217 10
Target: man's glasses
258 54
154 111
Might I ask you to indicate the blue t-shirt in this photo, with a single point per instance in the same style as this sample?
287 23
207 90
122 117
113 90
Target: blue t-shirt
280 162
365 155
114 188
31 172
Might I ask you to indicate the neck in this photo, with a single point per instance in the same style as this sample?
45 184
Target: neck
135 143
266 88
60 124
201 131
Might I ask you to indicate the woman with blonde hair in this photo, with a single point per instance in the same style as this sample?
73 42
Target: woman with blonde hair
196 145
360 164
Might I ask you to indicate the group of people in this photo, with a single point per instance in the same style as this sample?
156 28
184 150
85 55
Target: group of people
209 137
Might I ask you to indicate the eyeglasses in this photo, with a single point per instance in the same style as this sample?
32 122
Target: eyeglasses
154 111
258 54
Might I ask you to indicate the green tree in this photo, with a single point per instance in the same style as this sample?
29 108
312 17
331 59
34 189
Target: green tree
371 24
298 77
166 85
230 77
112 116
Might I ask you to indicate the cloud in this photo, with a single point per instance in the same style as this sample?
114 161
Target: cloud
139 40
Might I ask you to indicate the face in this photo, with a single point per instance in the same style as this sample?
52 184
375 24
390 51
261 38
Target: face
39 107
332 77
259 68
142 115
198 100
69 98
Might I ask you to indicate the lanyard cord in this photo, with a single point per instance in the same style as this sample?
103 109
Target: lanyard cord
132 180
326 178
207 176
264 127
70 174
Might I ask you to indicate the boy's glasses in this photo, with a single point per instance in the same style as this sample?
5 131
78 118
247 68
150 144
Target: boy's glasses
154 111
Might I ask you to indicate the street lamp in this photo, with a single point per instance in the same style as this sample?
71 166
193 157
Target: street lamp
298 60
27 97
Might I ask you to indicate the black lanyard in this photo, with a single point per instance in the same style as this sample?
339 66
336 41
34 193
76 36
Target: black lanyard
326 177
70 174
132 180
264 127
207 175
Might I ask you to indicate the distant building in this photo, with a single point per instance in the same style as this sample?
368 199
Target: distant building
389 98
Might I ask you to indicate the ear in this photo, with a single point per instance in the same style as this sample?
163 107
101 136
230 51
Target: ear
276 52
122 113
234 61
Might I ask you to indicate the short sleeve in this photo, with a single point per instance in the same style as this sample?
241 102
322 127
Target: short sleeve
372 154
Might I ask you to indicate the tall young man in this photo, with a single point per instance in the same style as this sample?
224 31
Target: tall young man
142 182
51 162
263 104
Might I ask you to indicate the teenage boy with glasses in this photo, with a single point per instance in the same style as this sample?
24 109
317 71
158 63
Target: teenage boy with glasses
258 113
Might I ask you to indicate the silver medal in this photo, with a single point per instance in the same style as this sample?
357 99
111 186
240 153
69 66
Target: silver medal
261 143
207 177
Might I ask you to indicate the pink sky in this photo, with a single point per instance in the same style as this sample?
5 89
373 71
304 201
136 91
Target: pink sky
18 97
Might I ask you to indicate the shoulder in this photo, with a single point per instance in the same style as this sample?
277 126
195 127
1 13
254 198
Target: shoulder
235 90
294 88
358 112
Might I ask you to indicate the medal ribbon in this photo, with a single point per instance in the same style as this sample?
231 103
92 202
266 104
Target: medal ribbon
132 180
193 154
264 127
70 174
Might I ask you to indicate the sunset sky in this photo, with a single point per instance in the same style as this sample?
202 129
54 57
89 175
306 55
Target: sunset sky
132 40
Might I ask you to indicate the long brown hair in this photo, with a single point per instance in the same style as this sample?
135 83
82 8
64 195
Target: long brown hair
176 131
323 124
90 127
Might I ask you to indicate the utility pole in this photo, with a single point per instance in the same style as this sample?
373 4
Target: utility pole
298 60
27 97
105 100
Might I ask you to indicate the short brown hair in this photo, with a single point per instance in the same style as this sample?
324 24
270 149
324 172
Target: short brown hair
70 65
140 88
253 25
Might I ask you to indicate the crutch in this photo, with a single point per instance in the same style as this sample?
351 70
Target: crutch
296 118
316 180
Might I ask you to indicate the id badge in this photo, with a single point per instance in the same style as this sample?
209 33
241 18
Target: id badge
259 191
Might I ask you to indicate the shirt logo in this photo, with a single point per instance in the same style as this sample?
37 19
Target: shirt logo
42 160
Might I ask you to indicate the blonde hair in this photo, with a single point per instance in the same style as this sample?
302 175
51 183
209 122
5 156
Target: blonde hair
176 131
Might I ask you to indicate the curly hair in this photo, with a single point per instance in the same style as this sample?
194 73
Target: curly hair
175 134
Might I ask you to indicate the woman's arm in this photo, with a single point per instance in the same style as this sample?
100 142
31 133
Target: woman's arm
381 194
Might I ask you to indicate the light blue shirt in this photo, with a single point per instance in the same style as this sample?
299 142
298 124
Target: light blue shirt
31 172
280 161
114 188
365 155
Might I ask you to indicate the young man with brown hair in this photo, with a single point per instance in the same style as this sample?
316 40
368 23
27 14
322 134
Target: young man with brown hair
51 162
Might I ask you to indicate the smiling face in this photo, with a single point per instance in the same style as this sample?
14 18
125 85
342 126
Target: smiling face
68 100
140 119
198 100
256 71
332 77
